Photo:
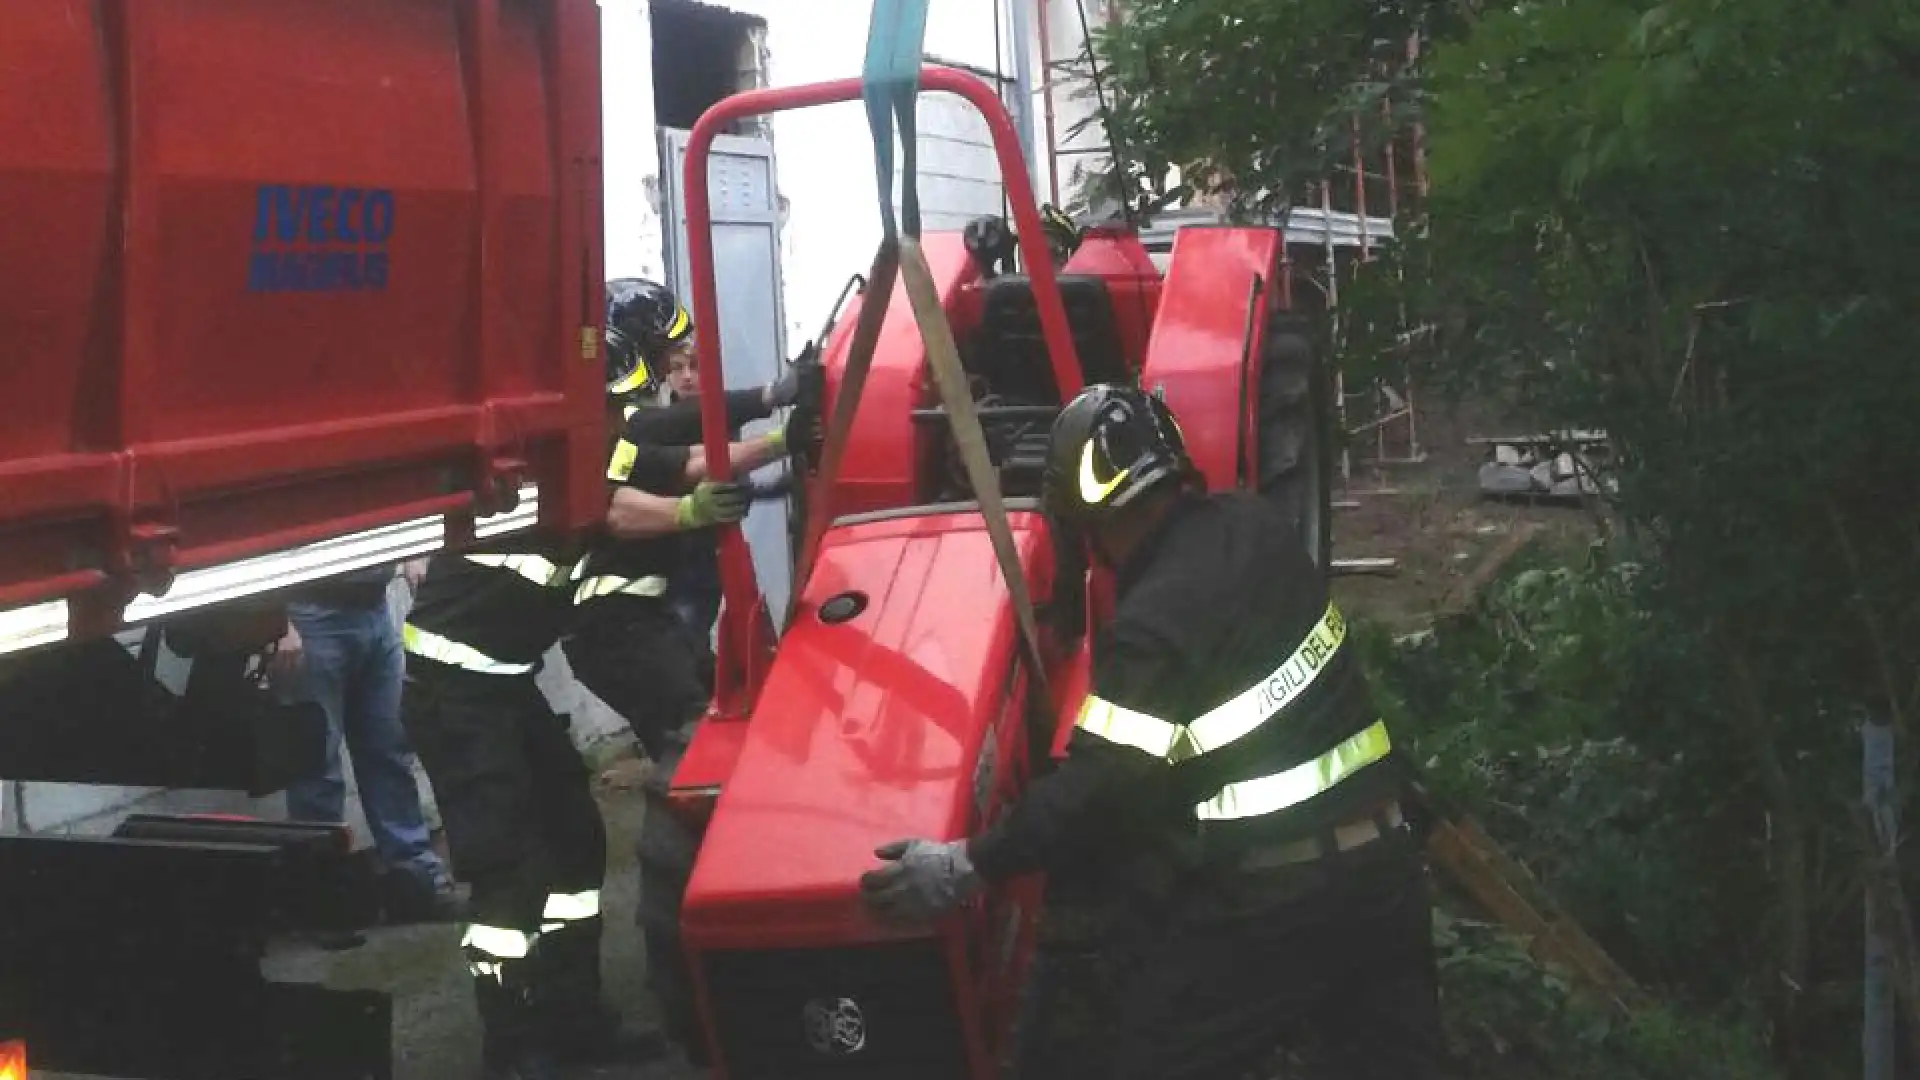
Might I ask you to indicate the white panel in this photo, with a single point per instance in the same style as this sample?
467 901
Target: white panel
746 250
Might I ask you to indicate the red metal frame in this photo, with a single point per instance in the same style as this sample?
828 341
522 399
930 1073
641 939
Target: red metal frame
737 674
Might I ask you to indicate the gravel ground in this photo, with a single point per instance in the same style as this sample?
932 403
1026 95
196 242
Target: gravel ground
436 1031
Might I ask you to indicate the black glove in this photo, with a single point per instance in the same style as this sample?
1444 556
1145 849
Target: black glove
805 433
804 377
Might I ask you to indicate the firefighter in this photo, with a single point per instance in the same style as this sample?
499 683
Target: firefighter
514 794
629 645
1226 774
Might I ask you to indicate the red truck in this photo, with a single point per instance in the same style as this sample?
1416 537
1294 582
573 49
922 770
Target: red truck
287 288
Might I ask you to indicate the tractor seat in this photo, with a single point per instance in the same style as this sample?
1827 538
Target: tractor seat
1010 352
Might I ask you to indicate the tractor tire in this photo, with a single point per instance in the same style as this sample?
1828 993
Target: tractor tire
1296 428
666 854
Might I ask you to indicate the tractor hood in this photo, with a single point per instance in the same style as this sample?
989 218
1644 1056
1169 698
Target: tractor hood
897 669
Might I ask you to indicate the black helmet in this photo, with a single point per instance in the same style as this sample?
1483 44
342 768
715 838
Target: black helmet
644 320
1109 445
1062 234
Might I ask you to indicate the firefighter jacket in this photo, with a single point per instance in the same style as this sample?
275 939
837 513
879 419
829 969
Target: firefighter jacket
495 611
651 455
1226 703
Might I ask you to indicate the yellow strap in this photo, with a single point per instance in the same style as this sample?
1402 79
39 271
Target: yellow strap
620 465
1228 722
875 298
1263 700
500 942
426 643
532 567
956 393
609 585
1128 727
1278 791
572 907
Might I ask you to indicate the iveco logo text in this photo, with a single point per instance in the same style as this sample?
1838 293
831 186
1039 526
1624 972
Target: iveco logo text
319 238
836 1027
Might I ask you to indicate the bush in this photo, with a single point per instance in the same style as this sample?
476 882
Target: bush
1557 713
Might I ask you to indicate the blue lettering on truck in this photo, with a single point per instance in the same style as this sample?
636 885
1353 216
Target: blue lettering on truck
319 238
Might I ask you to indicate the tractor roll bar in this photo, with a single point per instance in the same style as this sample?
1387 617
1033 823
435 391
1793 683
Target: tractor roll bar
734 685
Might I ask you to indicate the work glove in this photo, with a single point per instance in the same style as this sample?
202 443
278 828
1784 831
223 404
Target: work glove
923 879
711 503
805 435
803 378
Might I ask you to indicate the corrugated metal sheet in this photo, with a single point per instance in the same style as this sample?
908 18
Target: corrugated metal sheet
1305 225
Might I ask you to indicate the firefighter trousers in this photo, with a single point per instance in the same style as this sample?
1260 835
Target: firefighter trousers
1329 961
525 832
635 655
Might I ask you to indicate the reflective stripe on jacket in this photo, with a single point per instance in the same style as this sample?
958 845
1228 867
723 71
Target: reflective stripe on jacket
1265 702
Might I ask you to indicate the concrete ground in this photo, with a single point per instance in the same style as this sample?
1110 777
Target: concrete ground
436 1031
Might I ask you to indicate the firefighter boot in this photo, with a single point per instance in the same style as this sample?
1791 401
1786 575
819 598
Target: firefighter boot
506 990
576 1022
514 1047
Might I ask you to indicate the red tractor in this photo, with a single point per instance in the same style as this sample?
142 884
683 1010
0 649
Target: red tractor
898 700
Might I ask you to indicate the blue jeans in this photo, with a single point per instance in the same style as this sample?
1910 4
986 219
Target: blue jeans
353 667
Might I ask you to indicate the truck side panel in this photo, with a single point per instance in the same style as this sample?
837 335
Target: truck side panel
278 271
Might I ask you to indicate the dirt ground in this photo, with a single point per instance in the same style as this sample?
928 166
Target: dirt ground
1430 518
436 1033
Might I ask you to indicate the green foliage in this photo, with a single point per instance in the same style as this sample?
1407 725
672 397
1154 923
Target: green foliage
1689 222
1507 1017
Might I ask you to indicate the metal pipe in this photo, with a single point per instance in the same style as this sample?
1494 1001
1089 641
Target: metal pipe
1046 91
1022 80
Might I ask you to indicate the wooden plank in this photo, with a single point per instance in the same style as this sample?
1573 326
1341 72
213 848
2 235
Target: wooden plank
1474 863
1580 437
1458 599
1376 567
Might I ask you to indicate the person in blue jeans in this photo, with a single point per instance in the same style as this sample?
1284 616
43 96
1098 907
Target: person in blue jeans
342 649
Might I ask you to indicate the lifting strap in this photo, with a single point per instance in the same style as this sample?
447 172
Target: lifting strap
892 87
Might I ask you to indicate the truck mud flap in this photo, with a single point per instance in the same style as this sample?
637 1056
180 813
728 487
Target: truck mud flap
136 957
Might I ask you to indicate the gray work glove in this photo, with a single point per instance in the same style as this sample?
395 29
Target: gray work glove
923 879
711 504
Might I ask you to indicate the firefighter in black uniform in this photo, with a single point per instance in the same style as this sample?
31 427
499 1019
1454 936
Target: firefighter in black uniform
1226 773
628 644
513 792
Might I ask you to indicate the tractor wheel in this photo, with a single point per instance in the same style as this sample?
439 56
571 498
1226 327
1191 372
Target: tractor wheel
666 854
1297 438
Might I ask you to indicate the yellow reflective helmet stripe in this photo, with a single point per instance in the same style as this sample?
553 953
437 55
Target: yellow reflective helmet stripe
443 650
1253 706
1290 787
610 585
680 321
1093 490
634 379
